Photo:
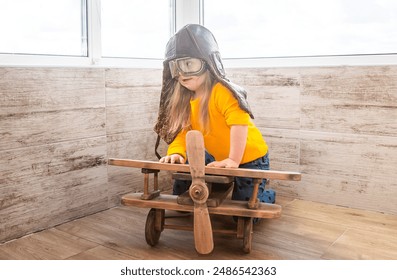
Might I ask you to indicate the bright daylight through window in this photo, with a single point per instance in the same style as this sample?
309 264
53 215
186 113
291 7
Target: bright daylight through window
135 29
43 27
100 31
283 28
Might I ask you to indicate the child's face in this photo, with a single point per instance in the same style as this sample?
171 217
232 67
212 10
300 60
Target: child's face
192 83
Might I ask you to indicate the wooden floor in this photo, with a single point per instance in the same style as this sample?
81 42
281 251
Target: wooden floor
306 230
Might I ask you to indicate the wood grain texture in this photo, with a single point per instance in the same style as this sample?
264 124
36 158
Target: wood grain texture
199 192
300 238
37 128
336 125
284 154
236 172
228 207
52 148
50 244
47 105
362 245
57 126
46 185
306 231
25 90
347 217
132 98
357 100
100 253
358 171
273 95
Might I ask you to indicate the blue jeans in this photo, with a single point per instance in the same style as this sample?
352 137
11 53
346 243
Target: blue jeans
243 187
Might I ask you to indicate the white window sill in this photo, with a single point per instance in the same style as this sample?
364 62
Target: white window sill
7 60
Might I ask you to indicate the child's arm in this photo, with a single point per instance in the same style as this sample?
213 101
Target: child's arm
176 150
238 140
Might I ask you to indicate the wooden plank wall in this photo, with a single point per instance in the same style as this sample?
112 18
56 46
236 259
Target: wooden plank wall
52 148
336 125
58 126
132 98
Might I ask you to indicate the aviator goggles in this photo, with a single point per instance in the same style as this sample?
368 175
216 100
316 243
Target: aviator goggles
186 66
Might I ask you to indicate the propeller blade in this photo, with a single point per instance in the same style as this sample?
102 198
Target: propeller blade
199 193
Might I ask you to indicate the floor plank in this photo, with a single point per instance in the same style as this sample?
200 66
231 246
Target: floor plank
338 215
51 244
305 231
363 245
299 238
100 253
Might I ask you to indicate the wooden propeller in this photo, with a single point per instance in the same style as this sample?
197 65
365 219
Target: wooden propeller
199 192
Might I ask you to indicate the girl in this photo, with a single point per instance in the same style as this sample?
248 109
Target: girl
196 95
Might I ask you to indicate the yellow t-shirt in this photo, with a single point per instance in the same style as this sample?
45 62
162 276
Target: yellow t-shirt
224 112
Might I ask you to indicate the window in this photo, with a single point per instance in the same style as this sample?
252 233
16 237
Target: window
43 27
290 28
263 32
135 28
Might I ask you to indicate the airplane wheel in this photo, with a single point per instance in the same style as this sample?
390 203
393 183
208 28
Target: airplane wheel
154 226
247 240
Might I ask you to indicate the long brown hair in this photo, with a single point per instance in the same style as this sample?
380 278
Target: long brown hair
179 105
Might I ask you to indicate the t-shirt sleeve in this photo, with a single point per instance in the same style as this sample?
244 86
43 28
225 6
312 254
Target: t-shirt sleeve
228 105
178 146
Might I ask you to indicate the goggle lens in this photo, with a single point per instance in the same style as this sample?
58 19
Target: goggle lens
186 66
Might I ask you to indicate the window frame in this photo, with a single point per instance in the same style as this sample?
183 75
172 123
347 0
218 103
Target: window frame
182 12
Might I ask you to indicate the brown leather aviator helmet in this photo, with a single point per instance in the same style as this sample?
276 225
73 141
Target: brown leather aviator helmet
195 41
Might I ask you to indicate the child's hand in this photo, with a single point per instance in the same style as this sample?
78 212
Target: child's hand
174 158
226 163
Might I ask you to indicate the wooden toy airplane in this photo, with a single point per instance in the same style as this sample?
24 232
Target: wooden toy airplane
202 199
